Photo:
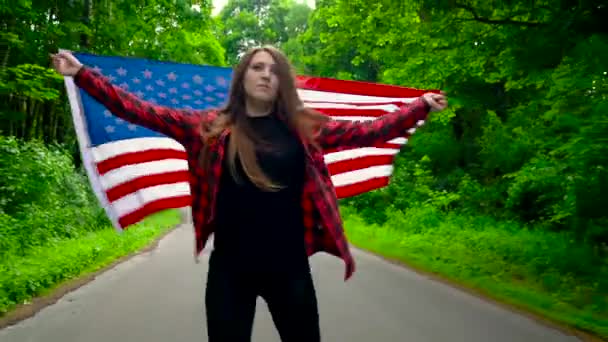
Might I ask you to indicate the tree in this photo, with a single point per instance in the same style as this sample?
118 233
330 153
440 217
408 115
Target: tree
526 131
247 24
33 104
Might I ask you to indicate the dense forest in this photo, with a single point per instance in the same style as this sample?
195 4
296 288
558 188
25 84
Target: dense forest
523 146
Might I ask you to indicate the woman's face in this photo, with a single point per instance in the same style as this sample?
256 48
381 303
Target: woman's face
261 81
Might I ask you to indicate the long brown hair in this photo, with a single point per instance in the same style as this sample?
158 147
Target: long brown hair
243 140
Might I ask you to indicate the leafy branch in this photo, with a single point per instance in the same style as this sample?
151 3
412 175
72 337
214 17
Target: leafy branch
495 21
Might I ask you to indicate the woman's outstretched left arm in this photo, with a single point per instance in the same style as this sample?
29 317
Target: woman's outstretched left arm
351 134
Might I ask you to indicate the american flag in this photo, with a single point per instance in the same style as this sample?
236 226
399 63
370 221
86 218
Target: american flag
136 172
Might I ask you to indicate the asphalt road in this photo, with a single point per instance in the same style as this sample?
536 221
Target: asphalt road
159 296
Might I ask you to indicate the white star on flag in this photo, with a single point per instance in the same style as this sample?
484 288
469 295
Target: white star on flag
220 81
121 71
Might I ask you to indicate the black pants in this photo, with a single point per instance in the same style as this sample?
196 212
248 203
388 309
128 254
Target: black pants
230 302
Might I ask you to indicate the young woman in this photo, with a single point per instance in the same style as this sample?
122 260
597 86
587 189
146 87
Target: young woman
259 182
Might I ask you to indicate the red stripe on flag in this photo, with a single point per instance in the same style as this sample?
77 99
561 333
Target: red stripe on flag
351 112
359 163
143 182
311 103
153 207
383 145
138 157
361 187
357 87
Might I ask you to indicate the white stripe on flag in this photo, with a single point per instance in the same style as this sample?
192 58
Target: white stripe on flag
117 148
316 95
400 141
361 175
387 108
131 172
354 118
132 202
84 145
357 153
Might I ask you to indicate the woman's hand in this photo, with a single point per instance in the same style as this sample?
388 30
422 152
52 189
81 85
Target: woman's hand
437 102
65 63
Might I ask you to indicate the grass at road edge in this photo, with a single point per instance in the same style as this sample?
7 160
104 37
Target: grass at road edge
450 257
47 268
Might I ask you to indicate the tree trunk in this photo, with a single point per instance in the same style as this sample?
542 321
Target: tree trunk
23 105
5 58
33 126
53 123
86 20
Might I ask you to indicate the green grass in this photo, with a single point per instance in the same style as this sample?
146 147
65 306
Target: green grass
538 271
46 267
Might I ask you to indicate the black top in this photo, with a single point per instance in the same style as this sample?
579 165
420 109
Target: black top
259 229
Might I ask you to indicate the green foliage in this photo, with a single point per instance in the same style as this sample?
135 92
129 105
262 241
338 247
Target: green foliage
32 81
43 198
45 267
506 191
246 24
526 136
51 226
544 272
32 97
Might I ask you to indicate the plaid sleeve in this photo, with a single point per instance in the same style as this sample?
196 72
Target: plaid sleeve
168 121
350 134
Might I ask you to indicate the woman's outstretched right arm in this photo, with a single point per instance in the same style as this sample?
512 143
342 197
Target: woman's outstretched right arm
127 106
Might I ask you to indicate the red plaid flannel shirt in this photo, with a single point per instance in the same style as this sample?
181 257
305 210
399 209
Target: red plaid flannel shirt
324 230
